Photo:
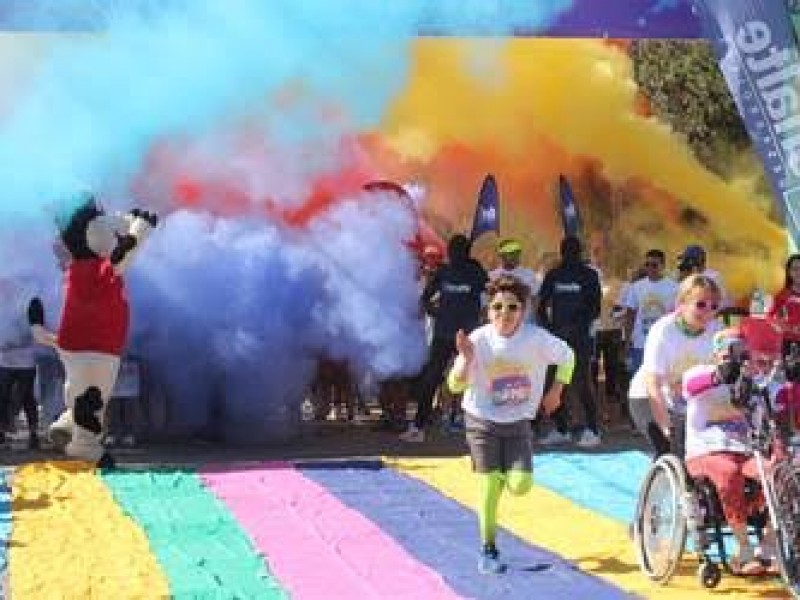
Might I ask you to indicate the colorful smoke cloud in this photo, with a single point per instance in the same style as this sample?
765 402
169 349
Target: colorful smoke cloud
528 110
240 289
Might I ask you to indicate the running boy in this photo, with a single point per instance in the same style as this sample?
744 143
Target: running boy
501 368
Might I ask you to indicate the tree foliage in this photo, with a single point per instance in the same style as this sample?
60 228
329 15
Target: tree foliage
686 89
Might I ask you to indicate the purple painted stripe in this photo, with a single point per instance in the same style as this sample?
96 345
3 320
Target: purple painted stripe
315 545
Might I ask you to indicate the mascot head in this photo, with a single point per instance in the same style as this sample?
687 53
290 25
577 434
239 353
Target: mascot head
88 232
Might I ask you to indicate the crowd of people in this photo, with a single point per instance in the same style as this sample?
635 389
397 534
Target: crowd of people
520 339
516 357
604 323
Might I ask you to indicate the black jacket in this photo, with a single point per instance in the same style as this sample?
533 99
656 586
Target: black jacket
453 297
569 300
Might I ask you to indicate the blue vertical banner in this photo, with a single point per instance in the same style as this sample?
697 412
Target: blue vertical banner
487 210
570 214
757 50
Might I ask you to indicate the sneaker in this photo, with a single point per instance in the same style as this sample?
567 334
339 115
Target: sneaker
489 563
412 435
588 439
555 438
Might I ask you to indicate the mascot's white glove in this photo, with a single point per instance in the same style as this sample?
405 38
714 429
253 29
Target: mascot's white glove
138 224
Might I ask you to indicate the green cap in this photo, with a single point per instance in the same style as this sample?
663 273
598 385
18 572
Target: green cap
509 246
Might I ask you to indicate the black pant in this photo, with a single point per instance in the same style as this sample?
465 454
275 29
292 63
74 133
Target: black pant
581 389
431 377
608 348
16 389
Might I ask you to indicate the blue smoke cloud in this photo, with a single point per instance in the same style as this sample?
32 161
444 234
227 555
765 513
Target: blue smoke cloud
158 69
229 313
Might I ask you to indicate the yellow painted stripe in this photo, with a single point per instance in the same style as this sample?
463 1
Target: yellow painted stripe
70 539
596 544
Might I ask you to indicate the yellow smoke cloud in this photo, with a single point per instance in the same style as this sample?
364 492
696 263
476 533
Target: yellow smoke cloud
579 95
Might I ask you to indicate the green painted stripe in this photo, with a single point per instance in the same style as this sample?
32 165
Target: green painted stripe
200 546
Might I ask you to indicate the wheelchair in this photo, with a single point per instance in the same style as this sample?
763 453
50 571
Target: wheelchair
673 508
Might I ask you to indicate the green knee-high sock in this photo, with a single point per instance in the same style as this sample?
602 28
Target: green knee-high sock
491 489
518 482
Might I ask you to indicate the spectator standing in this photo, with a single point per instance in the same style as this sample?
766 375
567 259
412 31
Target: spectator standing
693 260
18 375
786 306
509 252
453 298
608 358
647 300
569 303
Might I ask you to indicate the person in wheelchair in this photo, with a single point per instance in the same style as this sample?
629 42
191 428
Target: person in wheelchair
717 447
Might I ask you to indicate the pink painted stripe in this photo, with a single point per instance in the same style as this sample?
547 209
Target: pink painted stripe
316 546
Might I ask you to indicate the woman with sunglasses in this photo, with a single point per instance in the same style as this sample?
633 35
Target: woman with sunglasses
501 369
676 342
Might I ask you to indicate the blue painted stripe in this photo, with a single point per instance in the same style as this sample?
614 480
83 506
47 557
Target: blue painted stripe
442 534
606 483
5 525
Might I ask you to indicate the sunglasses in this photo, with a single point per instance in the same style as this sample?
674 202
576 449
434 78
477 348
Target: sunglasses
510 307
703 305
652 264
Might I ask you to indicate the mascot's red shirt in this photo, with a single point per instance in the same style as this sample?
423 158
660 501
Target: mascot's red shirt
95 315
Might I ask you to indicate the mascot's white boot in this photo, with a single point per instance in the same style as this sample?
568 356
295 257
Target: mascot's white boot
94 323
89 381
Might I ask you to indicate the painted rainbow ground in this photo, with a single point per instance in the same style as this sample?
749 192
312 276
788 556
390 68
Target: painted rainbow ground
391 528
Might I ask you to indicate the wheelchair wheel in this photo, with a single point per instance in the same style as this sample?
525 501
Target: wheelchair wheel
785 490
659 527
709 574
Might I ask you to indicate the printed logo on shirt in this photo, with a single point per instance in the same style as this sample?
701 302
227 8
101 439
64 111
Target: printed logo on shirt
509 383
514 389
652 309
457 288
572 288
734 427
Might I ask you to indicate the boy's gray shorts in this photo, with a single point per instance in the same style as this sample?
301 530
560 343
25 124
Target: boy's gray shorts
499 446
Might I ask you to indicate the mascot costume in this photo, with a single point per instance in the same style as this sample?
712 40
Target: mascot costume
94 322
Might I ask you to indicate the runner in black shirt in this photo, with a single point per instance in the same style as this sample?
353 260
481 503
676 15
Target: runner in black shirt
453 299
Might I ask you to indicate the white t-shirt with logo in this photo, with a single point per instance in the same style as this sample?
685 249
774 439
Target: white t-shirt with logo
651 300
713 424
506 378
669 353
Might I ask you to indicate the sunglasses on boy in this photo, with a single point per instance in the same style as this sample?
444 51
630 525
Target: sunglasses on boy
509 306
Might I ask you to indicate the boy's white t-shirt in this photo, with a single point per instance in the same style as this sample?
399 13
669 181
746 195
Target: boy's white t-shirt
651 300
506 379
527 276
669 352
